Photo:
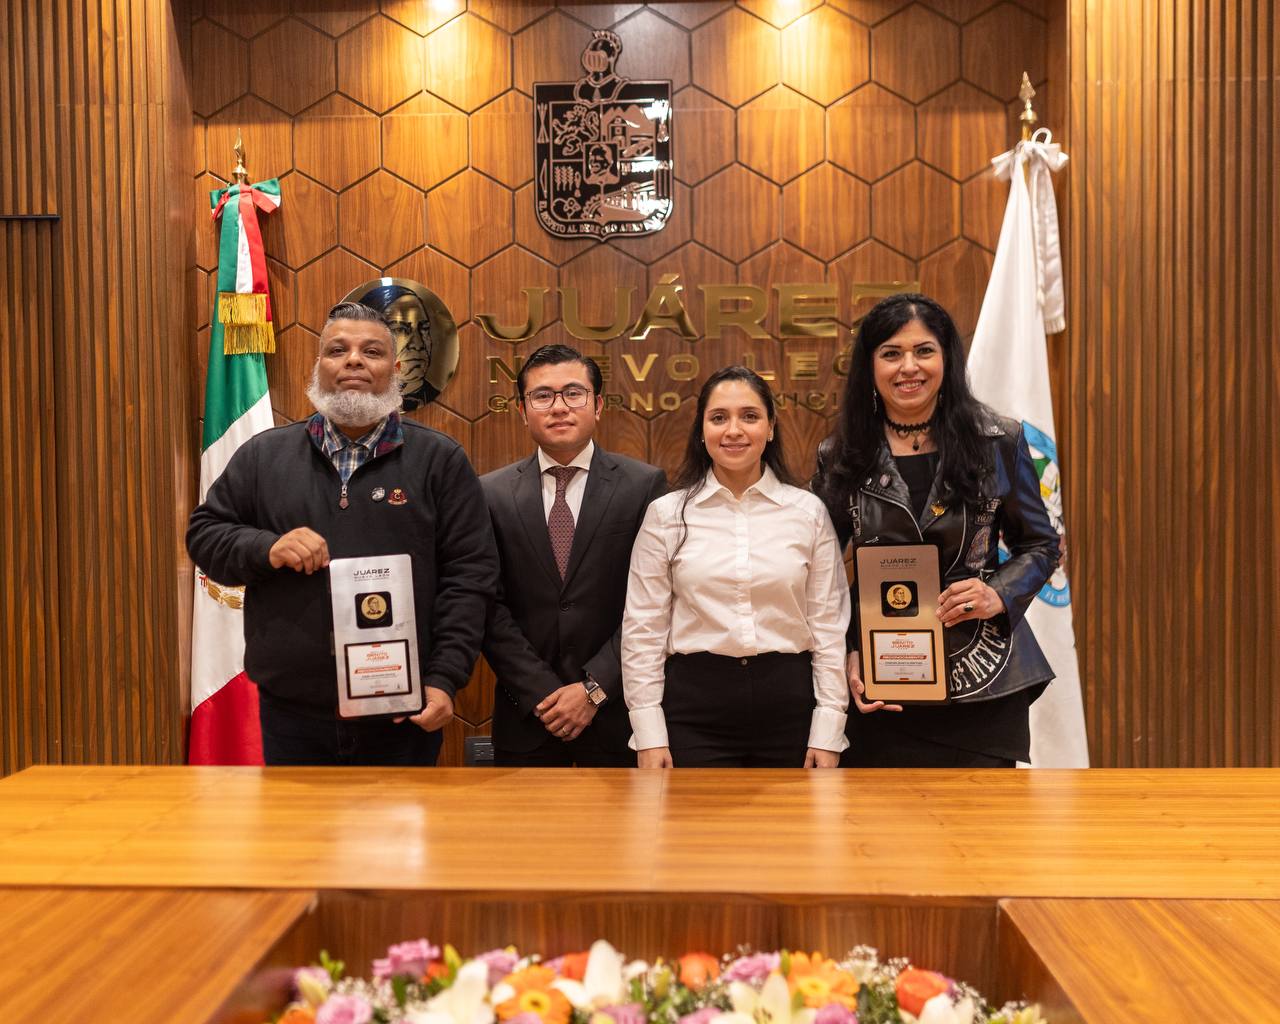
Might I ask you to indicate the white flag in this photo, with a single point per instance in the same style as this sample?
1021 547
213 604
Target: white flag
1009 370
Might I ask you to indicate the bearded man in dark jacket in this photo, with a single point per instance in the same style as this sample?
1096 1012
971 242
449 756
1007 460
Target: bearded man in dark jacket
355 480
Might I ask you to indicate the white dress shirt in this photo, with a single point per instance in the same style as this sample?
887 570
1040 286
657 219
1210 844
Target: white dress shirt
576 486
759 575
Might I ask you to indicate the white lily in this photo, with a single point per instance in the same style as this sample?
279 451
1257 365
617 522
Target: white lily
771 1005
602 982
463 1002
940 1010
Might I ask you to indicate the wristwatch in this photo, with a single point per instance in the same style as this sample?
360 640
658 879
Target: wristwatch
595 692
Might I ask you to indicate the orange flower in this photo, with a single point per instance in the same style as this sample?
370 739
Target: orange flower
916 987
298 1015
534 994
435 969
574 966
696 969
820 982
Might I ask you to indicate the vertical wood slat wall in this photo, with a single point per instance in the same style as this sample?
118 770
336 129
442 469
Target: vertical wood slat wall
1170 381
96 113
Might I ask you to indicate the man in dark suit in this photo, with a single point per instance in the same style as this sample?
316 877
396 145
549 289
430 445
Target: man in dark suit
565 519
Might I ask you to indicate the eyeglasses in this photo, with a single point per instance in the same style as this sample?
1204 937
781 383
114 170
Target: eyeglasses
575 397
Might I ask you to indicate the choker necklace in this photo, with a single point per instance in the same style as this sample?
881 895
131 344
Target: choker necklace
911 430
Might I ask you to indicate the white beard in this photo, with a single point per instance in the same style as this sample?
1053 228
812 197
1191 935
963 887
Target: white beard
354 408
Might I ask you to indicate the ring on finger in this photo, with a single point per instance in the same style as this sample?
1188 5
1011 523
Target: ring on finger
968 606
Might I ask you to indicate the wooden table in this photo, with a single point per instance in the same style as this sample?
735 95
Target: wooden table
916 859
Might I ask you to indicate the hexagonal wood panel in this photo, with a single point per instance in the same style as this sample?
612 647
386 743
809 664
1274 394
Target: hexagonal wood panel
780 134
291 66
915 53
736 213
334 17
336 142
396 74
871 113
825 55
424 141
960 130
1000 45
915 210
220 60
423 16
502 139
812 141
735 57
468 62
326 281
310 226
826 212
382 219
470 217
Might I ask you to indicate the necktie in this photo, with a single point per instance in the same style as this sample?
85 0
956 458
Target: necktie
560 521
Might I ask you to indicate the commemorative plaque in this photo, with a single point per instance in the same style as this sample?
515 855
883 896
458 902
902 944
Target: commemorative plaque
602 149
902 646
375 636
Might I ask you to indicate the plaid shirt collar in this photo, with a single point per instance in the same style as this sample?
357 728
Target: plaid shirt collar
348 455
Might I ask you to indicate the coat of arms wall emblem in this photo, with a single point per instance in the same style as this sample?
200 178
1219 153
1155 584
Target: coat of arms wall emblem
602 149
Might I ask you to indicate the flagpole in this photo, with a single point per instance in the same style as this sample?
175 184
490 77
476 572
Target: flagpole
1028 116
240 176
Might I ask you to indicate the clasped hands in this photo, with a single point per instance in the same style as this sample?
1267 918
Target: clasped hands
566 711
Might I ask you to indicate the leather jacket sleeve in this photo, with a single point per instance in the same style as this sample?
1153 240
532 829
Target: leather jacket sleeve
1025 527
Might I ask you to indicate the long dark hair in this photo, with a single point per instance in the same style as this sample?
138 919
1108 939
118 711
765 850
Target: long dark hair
697 460
965 459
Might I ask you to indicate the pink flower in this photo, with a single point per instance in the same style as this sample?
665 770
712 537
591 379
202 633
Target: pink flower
703 1016
835 1013
752 969
345 1010
409 958
626 1013
500 962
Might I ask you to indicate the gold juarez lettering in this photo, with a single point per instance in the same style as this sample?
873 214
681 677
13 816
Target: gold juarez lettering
569 309
806 310
751 319
665 310
533 304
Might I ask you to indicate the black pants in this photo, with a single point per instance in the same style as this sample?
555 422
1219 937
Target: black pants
902 750
290 738
738 712
583 752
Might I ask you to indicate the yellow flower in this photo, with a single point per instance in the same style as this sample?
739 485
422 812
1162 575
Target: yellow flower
820 982
534 994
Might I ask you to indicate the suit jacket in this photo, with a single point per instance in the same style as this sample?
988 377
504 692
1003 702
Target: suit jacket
543 633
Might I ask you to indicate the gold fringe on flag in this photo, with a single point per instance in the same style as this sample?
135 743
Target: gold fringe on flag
245 324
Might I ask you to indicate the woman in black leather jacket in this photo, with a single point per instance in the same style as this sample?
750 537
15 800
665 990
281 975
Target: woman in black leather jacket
916 458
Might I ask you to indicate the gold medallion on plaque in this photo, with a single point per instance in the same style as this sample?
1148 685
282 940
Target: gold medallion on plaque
425 334
898 597
373 610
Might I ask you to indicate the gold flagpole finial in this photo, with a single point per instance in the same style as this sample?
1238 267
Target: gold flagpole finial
240 175
1028 116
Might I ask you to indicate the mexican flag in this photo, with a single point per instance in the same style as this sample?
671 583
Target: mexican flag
224 702
1009 370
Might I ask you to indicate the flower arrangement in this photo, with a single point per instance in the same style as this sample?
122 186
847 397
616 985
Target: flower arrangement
420 983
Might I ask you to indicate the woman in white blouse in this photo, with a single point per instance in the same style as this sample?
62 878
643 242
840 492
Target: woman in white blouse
737 603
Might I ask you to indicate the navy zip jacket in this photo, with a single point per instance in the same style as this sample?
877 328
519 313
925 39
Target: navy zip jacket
421 498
